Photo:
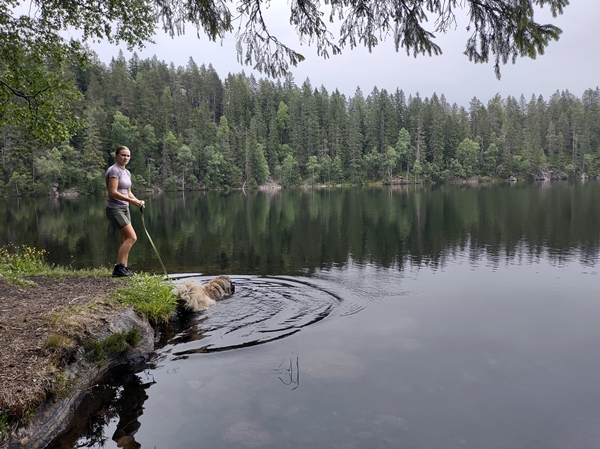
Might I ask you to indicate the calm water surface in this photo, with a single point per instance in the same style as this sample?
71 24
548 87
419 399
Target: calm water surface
444 317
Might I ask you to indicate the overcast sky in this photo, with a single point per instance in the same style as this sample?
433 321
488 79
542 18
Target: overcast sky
572 63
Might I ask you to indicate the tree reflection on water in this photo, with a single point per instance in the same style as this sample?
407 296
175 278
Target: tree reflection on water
121 397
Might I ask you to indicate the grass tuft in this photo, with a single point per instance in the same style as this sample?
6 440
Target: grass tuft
133 337
59 342
63 386
151 297
96 351
4 425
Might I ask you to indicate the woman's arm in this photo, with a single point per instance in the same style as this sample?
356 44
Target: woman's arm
135 201
113 184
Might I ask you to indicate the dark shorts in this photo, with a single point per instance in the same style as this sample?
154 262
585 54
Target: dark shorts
119 217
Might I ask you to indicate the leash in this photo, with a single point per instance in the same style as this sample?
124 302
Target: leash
152 243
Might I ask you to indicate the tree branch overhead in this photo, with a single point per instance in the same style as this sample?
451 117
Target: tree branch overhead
32 45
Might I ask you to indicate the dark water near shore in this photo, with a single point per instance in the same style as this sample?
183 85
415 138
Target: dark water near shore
416 318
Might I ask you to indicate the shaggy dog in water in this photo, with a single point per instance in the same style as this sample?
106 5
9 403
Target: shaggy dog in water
198 297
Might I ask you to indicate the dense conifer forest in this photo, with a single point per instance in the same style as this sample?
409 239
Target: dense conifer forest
189 129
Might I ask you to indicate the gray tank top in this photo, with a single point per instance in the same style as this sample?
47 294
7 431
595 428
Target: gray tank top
124 177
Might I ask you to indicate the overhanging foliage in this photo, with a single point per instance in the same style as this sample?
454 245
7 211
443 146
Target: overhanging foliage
37 91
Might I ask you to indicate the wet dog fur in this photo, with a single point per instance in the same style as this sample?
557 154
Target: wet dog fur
197 297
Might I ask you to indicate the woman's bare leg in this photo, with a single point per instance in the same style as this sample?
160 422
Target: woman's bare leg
128 238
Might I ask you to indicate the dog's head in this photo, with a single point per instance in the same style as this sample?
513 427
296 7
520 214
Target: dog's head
224 282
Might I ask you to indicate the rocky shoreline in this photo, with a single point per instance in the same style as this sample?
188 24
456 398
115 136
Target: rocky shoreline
53 417
43 384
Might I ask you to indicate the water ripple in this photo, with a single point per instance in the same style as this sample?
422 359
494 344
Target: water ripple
262 309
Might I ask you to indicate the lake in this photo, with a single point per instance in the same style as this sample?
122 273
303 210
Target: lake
409 317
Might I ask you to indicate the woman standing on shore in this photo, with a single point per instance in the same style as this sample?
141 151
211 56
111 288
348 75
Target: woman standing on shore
118 183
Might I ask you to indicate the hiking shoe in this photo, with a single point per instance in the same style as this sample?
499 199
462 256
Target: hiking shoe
120 270
130 271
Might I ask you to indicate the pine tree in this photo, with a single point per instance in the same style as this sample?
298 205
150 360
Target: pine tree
354 160
404 150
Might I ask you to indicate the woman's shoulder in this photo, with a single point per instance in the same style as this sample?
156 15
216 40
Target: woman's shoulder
113 171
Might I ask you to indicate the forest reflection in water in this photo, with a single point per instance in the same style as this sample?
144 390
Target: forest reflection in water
294 232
